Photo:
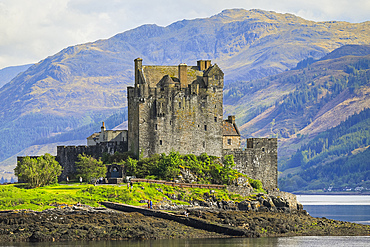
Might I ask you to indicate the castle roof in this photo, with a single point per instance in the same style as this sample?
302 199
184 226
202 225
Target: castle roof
153 74
211 69
229 129
93 136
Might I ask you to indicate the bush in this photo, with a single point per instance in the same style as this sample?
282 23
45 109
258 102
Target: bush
256 184
38 172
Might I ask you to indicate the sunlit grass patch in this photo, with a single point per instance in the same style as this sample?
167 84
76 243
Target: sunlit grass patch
18 197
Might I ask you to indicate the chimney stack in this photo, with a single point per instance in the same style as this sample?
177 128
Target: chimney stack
183 75
203 64
231 119
138 67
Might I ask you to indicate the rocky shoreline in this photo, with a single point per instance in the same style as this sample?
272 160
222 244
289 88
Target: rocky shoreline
86 223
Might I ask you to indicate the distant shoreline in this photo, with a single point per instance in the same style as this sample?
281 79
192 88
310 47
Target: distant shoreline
332 193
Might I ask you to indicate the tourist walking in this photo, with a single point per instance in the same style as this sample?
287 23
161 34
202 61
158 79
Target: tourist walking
80 180
67 179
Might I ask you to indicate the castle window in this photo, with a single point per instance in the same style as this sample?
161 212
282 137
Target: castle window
156 126
204 144
228 141
205 127
263 149
214 89
179 104
215 119
170 122
160 142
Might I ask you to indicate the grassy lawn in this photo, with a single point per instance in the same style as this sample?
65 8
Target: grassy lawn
16 196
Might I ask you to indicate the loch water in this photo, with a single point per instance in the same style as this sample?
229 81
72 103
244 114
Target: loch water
352 208
224 242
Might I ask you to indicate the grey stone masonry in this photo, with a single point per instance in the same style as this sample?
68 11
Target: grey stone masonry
258 160
68 155
182 113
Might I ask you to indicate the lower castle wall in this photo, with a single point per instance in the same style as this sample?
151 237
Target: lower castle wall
68 155
256 164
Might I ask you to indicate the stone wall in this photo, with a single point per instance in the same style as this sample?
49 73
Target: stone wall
68 155
258 161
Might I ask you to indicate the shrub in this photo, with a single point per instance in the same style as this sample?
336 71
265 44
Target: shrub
256 184
38 172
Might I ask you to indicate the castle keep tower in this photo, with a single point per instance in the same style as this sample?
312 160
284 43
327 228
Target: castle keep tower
176 108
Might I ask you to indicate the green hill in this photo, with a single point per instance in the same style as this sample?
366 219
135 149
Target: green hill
338 158
85 84
302 105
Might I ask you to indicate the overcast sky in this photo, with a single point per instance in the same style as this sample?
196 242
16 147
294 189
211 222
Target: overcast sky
31 30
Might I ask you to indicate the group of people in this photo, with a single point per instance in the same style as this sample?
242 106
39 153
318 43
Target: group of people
98 181
150 204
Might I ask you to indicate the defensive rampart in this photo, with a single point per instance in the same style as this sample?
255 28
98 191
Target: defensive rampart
68 155
258 160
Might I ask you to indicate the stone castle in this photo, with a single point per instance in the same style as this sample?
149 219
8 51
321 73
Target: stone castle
179 108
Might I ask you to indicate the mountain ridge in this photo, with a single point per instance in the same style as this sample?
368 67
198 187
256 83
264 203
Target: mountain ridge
86 83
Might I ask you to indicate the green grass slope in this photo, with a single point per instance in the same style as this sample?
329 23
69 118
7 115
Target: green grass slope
17 197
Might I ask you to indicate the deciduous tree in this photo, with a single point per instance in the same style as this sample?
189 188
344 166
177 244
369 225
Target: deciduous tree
90 168
38 172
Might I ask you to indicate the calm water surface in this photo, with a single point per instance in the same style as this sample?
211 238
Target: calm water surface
230 242
350 208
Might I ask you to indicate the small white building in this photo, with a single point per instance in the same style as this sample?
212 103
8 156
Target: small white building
107 136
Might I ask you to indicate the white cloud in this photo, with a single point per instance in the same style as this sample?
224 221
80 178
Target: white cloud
33 30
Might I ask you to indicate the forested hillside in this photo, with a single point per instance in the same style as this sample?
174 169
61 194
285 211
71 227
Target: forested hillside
338 158
301 107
